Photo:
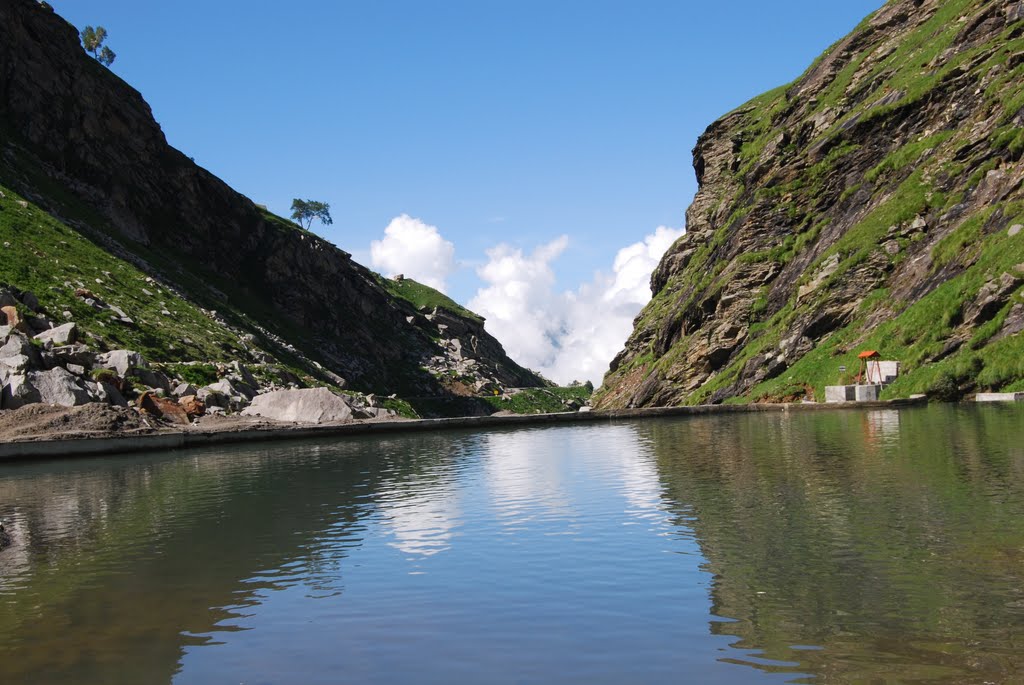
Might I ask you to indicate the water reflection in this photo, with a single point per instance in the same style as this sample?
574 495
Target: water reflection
523 480
423 521
882 427
847 546
891 541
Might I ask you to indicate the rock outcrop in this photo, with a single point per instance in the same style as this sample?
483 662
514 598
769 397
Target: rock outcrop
875 203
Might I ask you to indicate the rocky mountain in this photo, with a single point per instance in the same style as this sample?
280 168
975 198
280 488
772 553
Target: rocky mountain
874 203
109 226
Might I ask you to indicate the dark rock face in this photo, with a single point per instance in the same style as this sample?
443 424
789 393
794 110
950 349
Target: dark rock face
71 124
829 210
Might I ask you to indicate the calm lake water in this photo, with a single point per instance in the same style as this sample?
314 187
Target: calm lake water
837 547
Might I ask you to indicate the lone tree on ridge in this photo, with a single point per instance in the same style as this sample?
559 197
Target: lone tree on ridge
304 211
92 39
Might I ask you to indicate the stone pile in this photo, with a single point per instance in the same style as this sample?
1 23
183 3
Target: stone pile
43 362
461 357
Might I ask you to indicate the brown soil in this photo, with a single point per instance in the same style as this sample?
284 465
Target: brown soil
44 421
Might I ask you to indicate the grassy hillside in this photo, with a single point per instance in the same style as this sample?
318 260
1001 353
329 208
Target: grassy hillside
871 204
42 255
423 297
46 257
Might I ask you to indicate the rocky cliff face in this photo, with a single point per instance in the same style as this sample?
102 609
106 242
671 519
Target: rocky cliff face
876 203
83 145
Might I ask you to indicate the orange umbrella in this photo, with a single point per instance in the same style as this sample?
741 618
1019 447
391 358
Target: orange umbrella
864 357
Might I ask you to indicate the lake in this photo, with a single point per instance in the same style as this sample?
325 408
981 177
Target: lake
843 546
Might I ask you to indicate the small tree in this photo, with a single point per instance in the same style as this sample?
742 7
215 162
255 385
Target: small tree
304 211
92 39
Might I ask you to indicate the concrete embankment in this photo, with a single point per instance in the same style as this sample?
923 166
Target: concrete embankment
187 439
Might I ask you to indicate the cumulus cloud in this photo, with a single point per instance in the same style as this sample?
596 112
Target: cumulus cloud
415 249
569 335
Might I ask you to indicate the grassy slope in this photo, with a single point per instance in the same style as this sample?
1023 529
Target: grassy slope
540 400
907 176
40 254
52 260
423 296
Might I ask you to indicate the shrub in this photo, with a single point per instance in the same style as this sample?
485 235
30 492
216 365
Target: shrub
105 376
198 374
945 388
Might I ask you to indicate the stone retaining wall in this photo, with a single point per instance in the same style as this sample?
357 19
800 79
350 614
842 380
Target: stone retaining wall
187 439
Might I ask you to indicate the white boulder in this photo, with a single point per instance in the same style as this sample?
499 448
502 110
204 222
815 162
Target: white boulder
61 335
121 361
57 386
305 405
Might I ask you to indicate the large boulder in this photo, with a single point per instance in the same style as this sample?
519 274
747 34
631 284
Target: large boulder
38 324
31 301
193 406
239 372
121 361
163 408
16 391
184 389
306 405
15 363
106 393
153 379
73 354
18 345
224 394
224 387
58 386
59 336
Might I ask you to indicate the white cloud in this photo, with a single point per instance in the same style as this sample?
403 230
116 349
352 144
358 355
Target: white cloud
415 249
516 299
570 335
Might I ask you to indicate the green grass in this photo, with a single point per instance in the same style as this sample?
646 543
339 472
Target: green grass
904 156
540 400
919 332
965 238
403 408
424 297
925 174
52 260
196 374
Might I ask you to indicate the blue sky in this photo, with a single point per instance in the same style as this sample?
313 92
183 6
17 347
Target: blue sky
515 122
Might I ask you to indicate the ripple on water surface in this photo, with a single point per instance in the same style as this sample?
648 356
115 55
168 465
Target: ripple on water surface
848 546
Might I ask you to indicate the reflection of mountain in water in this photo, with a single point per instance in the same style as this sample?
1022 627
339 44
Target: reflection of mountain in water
99 543
893 540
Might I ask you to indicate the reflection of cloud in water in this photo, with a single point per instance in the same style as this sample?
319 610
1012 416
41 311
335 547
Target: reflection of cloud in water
641 485
422 520
523 475
529 477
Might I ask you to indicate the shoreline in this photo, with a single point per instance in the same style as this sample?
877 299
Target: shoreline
170 439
